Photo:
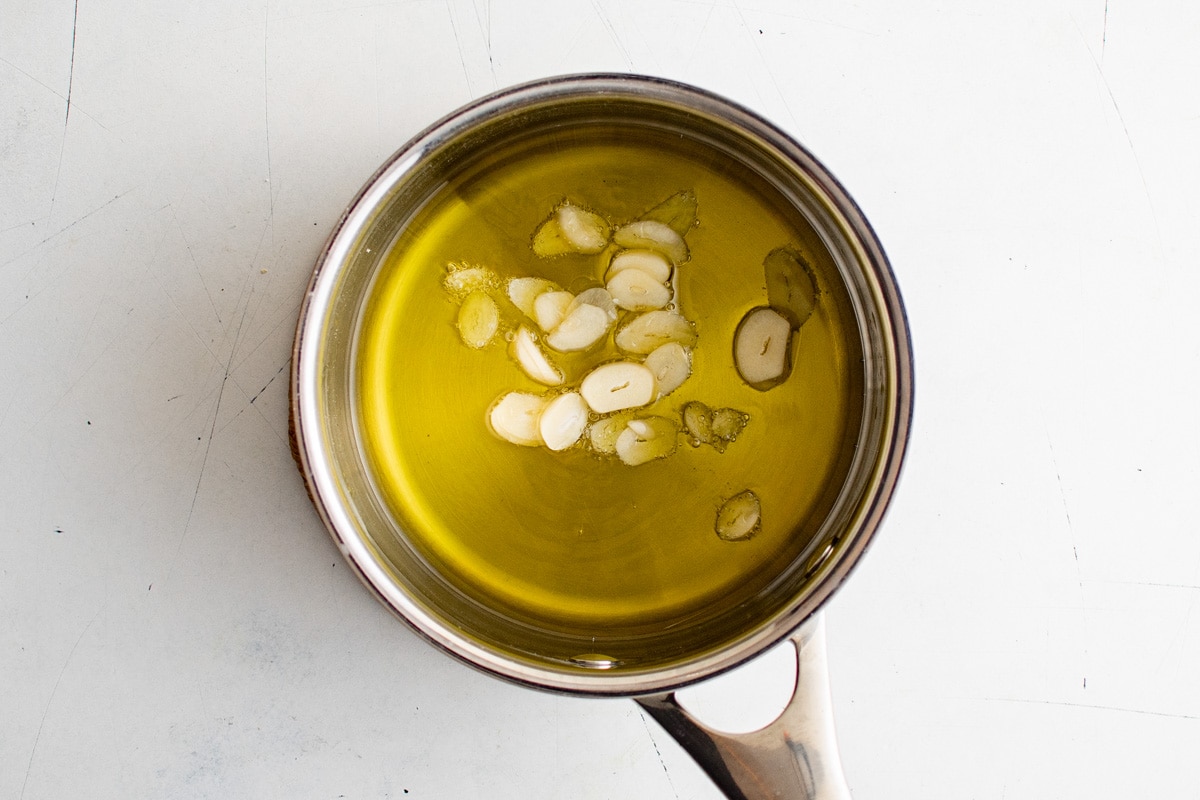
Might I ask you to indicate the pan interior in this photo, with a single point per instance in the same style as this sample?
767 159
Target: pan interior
572 561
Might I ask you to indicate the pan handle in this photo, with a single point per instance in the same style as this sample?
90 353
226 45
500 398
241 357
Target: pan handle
794 757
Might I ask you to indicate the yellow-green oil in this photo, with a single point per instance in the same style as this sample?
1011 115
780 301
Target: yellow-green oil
573 540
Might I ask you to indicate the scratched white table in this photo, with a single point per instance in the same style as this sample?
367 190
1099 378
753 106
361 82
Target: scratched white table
174 621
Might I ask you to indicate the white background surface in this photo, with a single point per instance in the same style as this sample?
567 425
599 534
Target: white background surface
174 622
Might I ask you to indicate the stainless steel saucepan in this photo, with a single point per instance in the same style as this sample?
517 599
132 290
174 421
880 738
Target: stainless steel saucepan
796 755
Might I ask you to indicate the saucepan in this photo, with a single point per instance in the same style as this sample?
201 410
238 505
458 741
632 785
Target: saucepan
602 384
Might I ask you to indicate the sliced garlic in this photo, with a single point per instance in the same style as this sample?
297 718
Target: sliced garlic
514 418
791 289
598 297
548 239
671 364
461 280
652 235
740 517
762 348
603 433
727 426
649 261
635 290
677 212
585 231
563 421
618 385
728 423
718 428
649 331
583 327
550 308
478 319
570 229
697 419
530 358
646 439
524 291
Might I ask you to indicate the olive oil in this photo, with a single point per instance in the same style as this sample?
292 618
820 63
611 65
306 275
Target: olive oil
573 540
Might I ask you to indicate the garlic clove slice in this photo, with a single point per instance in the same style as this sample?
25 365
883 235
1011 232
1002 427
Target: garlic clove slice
678 212
515 416
762 348
585 231
618 385
478 319
548 239
563 421
728 423
582 328
740 517
671 364
651 262
652 235
461 280
550 308
598 297
791 289
652 329
635 290
532 361
603 433
697 419
646 439
524 291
